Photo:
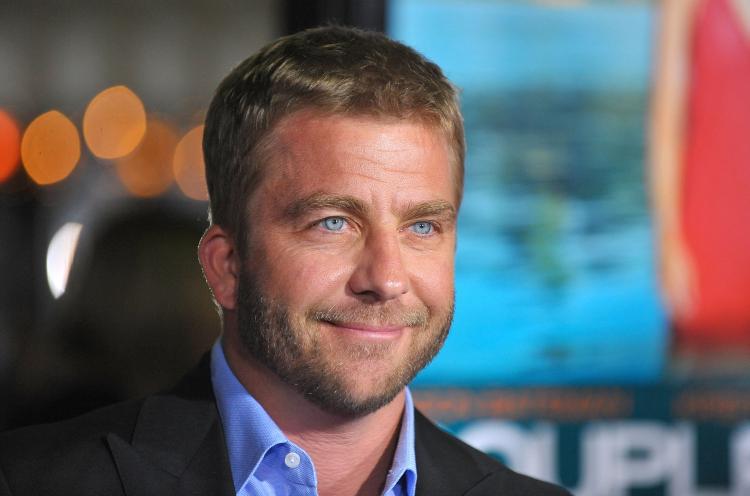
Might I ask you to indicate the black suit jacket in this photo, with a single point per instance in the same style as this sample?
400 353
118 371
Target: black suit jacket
173 443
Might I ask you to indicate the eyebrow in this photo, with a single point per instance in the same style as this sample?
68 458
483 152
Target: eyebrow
318 201
431 209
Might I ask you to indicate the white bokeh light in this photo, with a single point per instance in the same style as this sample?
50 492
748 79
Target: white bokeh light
60 255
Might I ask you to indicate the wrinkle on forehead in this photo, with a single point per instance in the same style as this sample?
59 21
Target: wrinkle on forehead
356 149
300 123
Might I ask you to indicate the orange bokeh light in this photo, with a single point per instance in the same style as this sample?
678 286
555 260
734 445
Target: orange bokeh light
50 148
10 145
189 169
114 123
147 172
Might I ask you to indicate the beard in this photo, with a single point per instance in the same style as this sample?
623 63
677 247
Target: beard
326 370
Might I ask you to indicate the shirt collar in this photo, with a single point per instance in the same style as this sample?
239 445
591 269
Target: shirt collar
404 460
250 432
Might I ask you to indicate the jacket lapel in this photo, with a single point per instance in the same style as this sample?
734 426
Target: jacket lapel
445 466
178 444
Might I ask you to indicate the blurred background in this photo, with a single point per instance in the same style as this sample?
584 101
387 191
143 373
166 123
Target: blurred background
564 360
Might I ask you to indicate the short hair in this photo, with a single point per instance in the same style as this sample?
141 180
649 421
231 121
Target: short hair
332 69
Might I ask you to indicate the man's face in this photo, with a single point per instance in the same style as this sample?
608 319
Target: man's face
346 289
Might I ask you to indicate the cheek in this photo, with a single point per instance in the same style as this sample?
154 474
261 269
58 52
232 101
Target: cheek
300 277
432 280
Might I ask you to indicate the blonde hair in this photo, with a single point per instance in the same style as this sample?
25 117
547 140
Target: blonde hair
332 69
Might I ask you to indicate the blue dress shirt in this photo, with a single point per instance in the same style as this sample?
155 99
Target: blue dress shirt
265 462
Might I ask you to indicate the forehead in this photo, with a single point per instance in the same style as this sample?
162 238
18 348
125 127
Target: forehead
311 145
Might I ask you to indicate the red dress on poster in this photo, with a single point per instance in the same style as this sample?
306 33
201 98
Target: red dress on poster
716 188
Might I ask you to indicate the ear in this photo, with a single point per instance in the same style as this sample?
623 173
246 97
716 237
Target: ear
221 265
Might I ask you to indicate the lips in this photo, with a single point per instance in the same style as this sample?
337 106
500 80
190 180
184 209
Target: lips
377 331
367 327
375 319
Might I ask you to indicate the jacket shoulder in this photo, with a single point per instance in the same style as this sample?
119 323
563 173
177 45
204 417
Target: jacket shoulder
448 466
149 446
34 456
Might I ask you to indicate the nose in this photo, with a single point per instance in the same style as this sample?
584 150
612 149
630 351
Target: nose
380 274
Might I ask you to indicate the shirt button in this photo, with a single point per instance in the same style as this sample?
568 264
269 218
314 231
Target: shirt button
291 460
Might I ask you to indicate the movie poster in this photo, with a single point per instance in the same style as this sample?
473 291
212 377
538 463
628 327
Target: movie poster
559 360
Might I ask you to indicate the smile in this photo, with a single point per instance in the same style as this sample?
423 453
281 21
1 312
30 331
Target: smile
384 332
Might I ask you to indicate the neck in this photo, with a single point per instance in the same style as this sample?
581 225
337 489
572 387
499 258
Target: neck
351 455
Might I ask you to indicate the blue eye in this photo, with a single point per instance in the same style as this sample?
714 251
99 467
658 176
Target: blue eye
333 223
423 228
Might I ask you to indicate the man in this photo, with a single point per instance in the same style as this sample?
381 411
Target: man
334 161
